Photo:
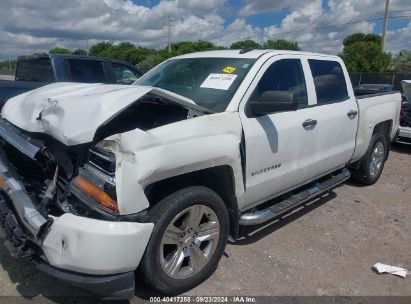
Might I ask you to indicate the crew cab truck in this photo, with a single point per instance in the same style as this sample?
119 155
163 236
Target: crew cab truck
37 70
156 176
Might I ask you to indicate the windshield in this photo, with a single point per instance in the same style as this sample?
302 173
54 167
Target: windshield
209 82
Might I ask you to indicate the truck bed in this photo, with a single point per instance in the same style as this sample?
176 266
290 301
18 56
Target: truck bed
373 109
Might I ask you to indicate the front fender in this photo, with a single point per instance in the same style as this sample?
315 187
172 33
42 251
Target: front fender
178 148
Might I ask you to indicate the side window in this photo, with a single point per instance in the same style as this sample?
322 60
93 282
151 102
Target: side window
124 74
329 81
284 75
89 71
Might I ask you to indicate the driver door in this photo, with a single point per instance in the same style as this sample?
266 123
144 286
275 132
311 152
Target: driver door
279 148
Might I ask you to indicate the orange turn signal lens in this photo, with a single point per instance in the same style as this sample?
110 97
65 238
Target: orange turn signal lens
96 193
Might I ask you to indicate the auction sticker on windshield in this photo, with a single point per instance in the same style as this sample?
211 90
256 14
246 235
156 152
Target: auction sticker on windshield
229 69
218 81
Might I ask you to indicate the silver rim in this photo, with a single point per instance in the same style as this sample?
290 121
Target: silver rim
377 159
189 242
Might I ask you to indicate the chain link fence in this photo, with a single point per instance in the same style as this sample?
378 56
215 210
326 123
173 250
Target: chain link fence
6 74
6 71
380 78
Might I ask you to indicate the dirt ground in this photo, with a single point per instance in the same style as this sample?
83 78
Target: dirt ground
326 248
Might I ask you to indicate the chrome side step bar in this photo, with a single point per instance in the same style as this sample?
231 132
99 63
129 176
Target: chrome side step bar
279 207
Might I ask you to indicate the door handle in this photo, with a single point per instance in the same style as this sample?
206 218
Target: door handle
309 123
352 113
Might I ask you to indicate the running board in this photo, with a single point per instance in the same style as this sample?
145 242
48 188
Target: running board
261 216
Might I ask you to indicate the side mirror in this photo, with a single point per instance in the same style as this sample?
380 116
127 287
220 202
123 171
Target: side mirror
274 101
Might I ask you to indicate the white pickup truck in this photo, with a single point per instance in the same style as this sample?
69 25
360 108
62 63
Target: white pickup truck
98 181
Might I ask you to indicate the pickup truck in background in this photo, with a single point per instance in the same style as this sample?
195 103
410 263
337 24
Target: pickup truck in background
98 181
38 70
366 89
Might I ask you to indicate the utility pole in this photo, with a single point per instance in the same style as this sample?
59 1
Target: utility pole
9 65
384 30
87 47
169 33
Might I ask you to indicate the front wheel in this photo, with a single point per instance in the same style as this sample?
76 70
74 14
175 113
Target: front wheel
190 233
372 163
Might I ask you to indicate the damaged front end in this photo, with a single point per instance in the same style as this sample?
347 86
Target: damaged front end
35 225
49 172
65 156
64 180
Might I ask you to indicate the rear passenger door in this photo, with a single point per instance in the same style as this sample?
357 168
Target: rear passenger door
335 111
87 71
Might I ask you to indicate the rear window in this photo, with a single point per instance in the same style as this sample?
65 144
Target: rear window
88 71
38 70
329 81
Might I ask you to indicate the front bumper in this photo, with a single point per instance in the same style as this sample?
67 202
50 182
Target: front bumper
117 286
94 254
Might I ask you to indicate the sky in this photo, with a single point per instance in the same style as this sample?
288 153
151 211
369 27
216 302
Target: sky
28 26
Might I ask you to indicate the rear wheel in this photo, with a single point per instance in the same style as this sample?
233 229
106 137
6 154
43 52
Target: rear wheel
189 236
372 163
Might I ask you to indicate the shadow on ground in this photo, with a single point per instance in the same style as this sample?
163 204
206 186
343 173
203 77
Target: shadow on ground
401 148
251 234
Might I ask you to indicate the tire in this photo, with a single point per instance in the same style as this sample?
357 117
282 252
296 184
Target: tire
176 214
372 163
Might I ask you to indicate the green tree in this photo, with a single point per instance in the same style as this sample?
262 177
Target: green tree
282 44
149 62
58 50
201 46
185 47
182 47
402 63
245 44
80 52
144 58
362 53
101 49
120 51
138 54
361 37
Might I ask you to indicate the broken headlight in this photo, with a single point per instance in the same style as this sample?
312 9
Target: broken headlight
96 182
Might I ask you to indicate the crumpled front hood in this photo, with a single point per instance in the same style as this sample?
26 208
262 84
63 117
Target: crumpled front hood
72 112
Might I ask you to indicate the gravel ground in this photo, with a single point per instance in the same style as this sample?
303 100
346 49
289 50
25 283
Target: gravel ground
325 248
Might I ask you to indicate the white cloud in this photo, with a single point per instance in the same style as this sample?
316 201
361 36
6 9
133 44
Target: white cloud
253 7
322 29
399 39
238 30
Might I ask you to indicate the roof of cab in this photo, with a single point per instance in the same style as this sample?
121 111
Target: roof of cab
68 56
252 54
